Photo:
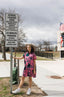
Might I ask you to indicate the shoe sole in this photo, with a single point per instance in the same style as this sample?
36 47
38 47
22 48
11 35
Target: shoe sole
15 93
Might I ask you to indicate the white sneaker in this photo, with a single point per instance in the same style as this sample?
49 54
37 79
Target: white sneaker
29 91
16 91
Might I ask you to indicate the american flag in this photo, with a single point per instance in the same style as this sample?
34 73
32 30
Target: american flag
61 27
61 41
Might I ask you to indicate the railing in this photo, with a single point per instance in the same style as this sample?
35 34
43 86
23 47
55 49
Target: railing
44 54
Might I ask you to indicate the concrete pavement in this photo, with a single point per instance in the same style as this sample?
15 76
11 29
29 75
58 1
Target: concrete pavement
7 56
53 87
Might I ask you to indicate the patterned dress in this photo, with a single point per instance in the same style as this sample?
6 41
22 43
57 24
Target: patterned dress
29 64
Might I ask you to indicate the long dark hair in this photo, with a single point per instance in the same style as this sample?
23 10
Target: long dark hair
32 48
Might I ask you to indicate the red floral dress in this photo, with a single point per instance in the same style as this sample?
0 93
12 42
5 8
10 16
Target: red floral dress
29 64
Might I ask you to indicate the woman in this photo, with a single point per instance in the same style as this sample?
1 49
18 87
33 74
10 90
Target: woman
29 68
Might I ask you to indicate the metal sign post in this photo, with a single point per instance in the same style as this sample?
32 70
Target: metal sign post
11 70
11 37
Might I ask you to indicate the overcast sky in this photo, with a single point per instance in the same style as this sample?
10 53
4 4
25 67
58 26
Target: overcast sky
41 18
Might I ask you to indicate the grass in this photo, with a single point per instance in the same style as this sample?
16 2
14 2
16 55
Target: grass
19 54
4 60
43 58
5 89
56 54
1 78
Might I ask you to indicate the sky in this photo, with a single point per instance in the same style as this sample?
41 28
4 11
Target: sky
41 18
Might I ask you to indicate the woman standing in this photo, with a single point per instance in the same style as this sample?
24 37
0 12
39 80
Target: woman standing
29 68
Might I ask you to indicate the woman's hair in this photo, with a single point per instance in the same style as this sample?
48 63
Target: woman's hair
32 47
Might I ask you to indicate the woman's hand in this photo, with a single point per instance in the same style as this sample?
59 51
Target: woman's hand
14 57
18 57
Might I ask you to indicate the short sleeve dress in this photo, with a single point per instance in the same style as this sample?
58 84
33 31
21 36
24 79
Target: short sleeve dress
29 64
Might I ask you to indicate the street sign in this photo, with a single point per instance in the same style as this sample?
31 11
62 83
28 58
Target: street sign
11 30
11 37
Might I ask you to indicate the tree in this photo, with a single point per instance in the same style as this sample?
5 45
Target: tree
2 29
40 44
21 37
43 44
46 44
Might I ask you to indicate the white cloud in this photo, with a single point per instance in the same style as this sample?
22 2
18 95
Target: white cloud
41 17
37 33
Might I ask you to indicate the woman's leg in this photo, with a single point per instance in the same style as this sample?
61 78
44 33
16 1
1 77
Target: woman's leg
21 82
30 82
20 85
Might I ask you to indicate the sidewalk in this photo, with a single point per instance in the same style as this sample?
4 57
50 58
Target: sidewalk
53 87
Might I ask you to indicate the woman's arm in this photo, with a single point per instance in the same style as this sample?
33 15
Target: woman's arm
18 57
34 66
